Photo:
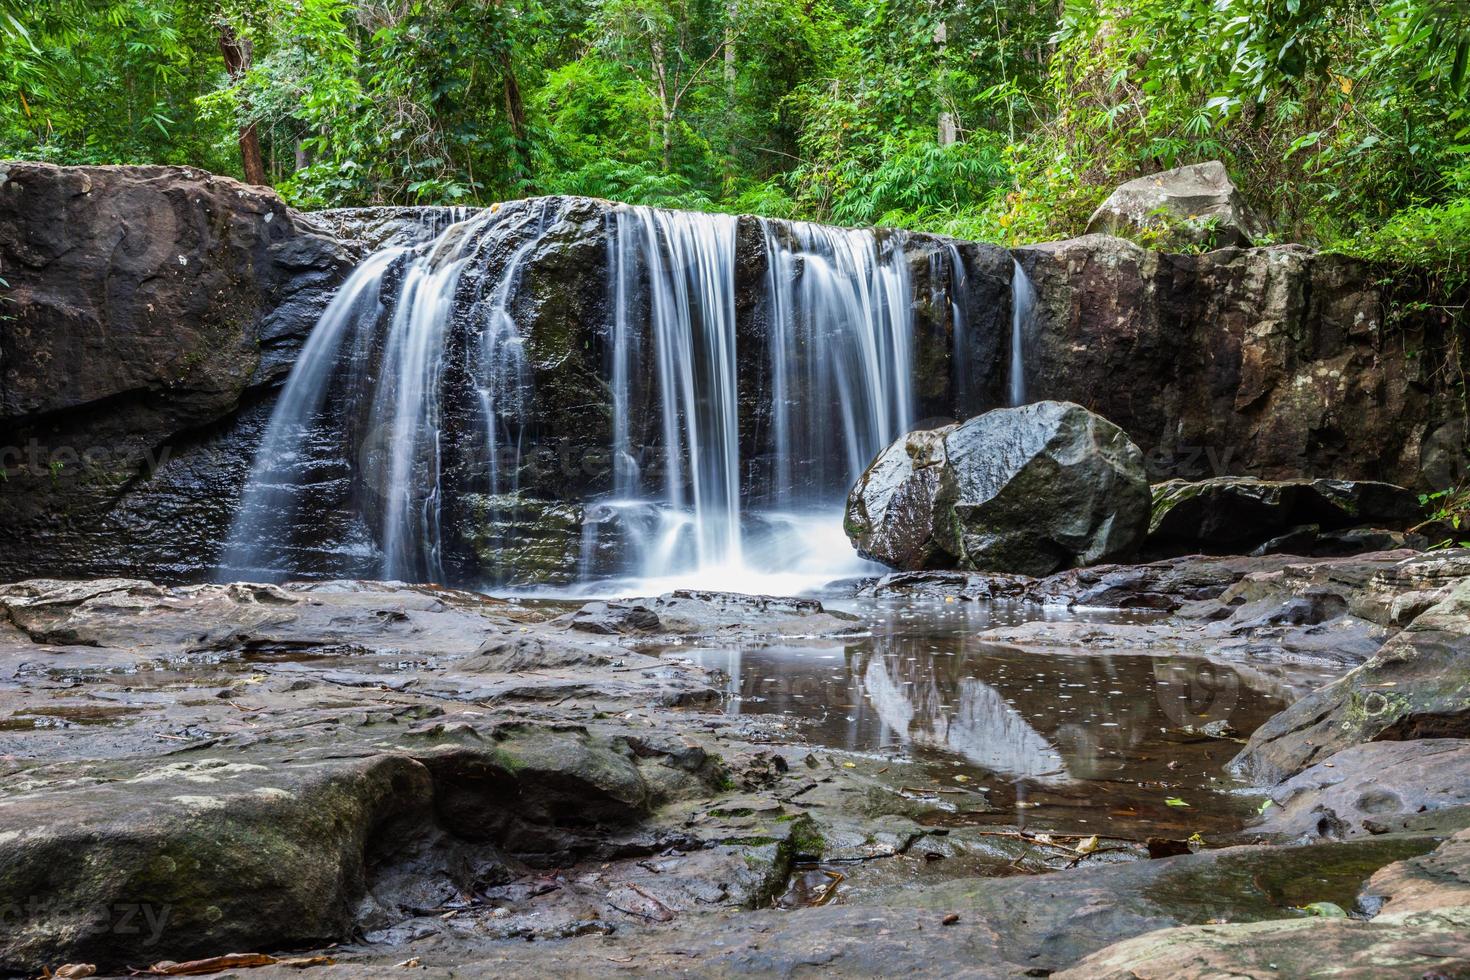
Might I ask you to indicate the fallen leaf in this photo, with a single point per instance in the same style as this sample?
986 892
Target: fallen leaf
73 971
231 961
1326 910
1087 846
1175 801
1163 847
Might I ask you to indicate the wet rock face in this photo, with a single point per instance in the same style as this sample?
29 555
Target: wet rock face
1193 205
1376 788
891 512
1240 514
146 306
1270 362
1027 490
1415 687
157 309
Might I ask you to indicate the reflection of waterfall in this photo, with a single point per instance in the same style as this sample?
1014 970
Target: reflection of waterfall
888 698
995 736
1023 300
980 726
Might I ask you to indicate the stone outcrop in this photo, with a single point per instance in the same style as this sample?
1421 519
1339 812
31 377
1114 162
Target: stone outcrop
1195 205
1236 515
1415 687
1271 362
1376 788
1029 490
154 312
147 307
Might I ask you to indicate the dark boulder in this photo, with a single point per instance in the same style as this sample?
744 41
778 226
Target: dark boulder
1240 514
1028 490
891 513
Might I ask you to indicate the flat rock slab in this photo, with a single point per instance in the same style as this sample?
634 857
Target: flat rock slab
1012 927
1376 788
1424 944
1413 688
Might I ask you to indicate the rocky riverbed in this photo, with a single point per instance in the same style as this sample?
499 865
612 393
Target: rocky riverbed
379 775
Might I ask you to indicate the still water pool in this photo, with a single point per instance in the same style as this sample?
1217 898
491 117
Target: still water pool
1108 742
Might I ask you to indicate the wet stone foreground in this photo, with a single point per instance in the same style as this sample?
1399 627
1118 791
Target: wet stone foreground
940 774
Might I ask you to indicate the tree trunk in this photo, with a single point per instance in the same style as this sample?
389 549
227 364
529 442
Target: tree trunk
666 107
515 109
236 52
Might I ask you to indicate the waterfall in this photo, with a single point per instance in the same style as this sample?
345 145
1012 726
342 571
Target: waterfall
369 383
277 492
738 412
1023 298
839 307
952 270
689 263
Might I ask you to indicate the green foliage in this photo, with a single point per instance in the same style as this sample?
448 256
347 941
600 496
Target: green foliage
1345 121
1449 507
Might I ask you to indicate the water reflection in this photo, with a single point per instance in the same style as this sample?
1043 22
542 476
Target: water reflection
1107 731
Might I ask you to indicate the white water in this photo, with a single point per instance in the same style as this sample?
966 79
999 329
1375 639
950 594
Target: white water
376 388
1023 299
838 305
698 502
841 321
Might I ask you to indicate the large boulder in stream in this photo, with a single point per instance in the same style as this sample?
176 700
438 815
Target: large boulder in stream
1028 490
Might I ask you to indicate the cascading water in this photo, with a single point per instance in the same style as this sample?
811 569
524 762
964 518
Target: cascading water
736 420
840 313
1023 298
837 304
688 261
370 382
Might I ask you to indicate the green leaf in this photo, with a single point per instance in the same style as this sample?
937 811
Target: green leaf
1326 910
